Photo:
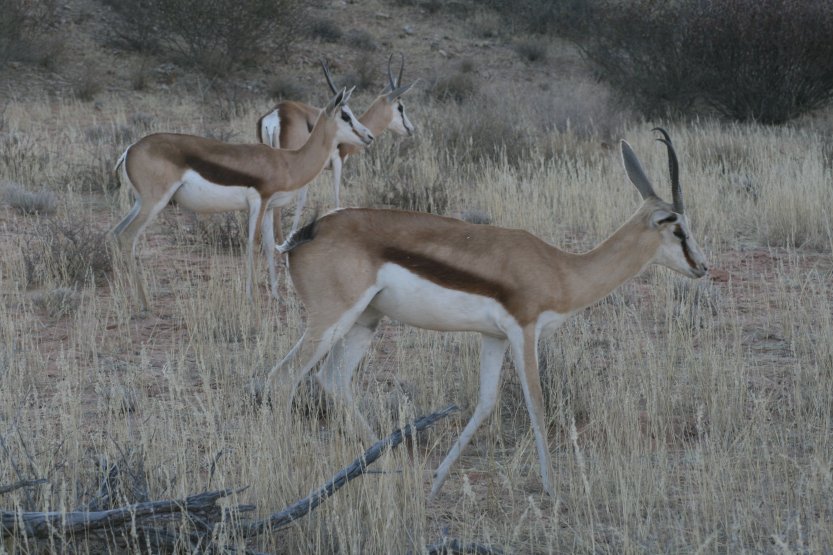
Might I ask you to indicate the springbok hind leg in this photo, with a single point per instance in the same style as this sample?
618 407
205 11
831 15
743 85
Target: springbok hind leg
336 374
130 229
492 350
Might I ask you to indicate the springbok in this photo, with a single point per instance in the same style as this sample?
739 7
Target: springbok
205 175
288 125
351 267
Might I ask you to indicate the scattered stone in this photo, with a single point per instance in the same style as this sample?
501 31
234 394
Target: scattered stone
409 29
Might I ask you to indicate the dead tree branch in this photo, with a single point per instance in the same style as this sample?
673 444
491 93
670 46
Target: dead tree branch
22 484
201 509
308 504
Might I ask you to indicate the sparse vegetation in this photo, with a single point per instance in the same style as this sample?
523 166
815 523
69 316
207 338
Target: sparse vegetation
682 415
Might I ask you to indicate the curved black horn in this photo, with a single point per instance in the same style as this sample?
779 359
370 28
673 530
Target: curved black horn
673 169
392 84
401 68
328 76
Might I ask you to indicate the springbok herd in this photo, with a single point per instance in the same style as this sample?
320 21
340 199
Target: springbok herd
353 266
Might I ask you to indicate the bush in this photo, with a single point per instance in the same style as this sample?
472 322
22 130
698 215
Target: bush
325 29
454 86
762 60
67 251
29 202
286 87
25 29
361 40
216 36
532 50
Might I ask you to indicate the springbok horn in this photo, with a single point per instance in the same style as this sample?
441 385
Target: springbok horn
674 170
390 75
401 68
328 76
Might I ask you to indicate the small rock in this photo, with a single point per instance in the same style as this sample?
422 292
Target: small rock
382 15
443 53
409 29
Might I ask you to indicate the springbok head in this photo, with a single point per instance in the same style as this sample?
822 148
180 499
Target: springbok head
350 129
400 124
678 250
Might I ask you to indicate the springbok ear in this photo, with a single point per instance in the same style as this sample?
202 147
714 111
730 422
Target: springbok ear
399 91
335 102
662 217
347 95
635 172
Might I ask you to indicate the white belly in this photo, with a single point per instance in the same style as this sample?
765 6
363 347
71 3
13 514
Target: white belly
282 198
200 195
406 297
271 125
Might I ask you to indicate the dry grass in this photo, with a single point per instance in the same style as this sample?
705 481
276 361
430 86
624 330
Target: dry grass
684 416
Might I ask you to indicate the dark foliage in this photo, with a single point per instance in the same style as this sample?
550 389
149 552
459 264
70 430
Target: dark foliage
26 30
761 60
216 36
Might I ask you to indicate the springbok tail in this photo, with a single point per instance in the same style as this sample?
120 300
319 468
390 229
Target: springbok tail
121 159
301 236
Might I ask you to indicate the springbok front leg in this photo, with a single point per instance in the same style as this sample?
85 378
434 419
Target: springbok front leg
256 210
492 350
336 164
526 364
268 245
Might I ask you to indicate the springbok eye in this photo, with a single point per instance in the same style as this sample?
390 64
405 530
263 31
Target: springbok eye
679 233
401 109
346 117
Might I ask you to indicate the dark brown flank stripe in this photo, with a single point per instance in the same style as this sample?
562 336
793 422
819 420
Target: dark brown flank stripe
219 174
447 276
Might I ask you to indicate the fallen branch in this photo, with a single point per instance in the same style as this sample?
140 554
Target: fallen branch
200 509
308 504
45 524
22 484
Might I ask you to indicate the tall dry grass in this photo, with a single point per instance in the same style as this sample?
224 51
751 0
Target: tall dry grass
684 416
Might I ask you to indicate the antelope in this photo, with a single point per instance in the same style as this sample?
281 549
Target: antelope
351 267
288 125
205 175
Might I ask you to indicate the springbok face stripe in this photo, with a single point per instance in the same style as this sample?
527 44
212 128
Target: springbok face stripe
680 234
